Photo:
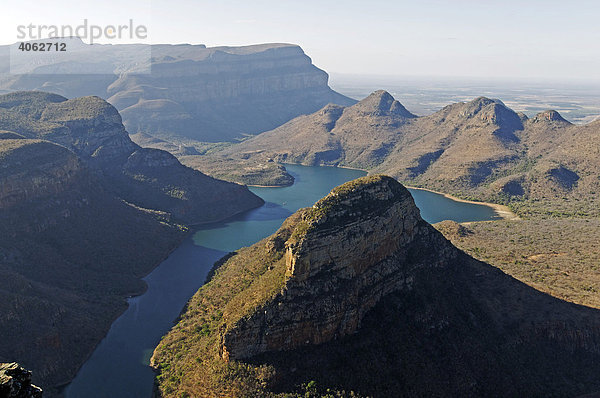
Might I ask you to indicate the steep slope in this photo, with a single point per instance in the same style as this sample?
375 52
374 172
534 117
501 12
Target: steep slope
66 258
149 178
192 93
359 294
479 149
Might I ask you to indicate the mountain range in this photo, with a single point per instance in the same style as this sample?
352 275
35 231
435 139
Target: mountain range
355 296
186 93
84 214
479 150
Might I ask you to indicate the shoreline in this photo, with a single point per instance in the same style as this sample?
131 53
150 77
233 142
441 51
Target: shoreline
502 211
270 186
60 388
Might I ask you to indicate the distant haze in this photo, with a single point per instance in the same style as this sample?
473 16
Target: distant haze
546 39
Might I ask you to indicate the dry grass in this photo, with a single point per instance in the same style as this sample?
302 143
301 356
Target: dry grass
557 256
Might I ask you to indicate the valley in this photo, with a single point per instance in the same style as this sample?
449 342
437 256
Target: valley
477 150
300 312
449 245
170 285
85 214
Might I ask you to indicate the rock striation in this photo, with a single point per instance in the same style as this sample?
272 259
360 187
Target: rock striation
192 93
359 294
337 270
15 382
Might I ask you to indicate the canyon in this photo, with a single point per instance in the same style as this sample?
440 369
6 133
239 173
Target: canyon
187 93
85 214
358 295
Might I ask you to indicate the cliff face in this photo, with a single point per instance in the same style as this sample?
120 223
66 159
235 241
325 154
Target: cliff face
219 94
359 294
92 129
193 93
337 271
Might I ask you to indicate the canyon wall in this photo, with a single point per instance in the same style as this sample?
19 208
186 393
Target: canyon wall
358 293
191 93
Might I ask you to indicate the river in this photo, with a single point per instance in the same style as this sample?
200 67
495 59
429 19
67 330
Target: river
118 368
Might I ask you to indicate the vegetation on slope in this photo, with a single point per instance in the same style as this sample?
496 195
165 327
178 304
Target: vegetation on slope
149 178
558 256
478 150
65 267
246 281
463 328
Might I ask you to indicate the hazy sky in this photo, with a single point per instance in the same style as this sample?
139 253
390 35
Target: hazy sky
509 38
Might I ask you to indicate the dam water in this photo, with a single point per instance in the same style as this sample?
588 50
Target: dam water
118 368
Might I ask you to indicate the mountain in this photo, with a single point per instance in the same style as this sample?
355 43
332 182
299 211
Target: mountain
66 262
149 178
358 296
84 214
479 149
187 93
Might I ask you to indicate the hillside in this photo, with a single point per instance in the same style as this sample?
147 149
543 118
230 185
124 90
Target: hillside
66 262
85 214
358 296
187 93
479 150
149 178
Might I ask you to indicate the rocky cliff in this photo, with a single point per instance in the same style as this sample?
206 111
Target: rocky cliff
15 382
349 253
359 294
193 93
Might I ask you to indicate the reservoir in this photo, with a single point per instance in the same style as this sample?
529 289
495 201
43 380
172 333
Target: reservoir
118 368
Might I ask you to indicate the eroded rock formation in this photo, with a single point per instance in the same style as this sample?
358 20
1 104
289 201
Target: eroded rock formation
351 255
359 294
192 92
15 382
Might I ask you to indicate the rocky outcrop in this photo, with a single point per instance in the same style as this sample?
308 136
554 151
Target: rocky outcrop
15 382
359 294
549 116
191 93
350 257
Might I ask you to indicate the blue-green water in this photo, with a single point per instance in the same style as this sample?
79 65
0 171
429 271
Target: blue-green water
119 365
435 208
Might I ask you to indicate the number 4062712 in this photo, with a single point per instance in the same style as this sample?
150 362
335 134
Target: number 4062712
43 46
